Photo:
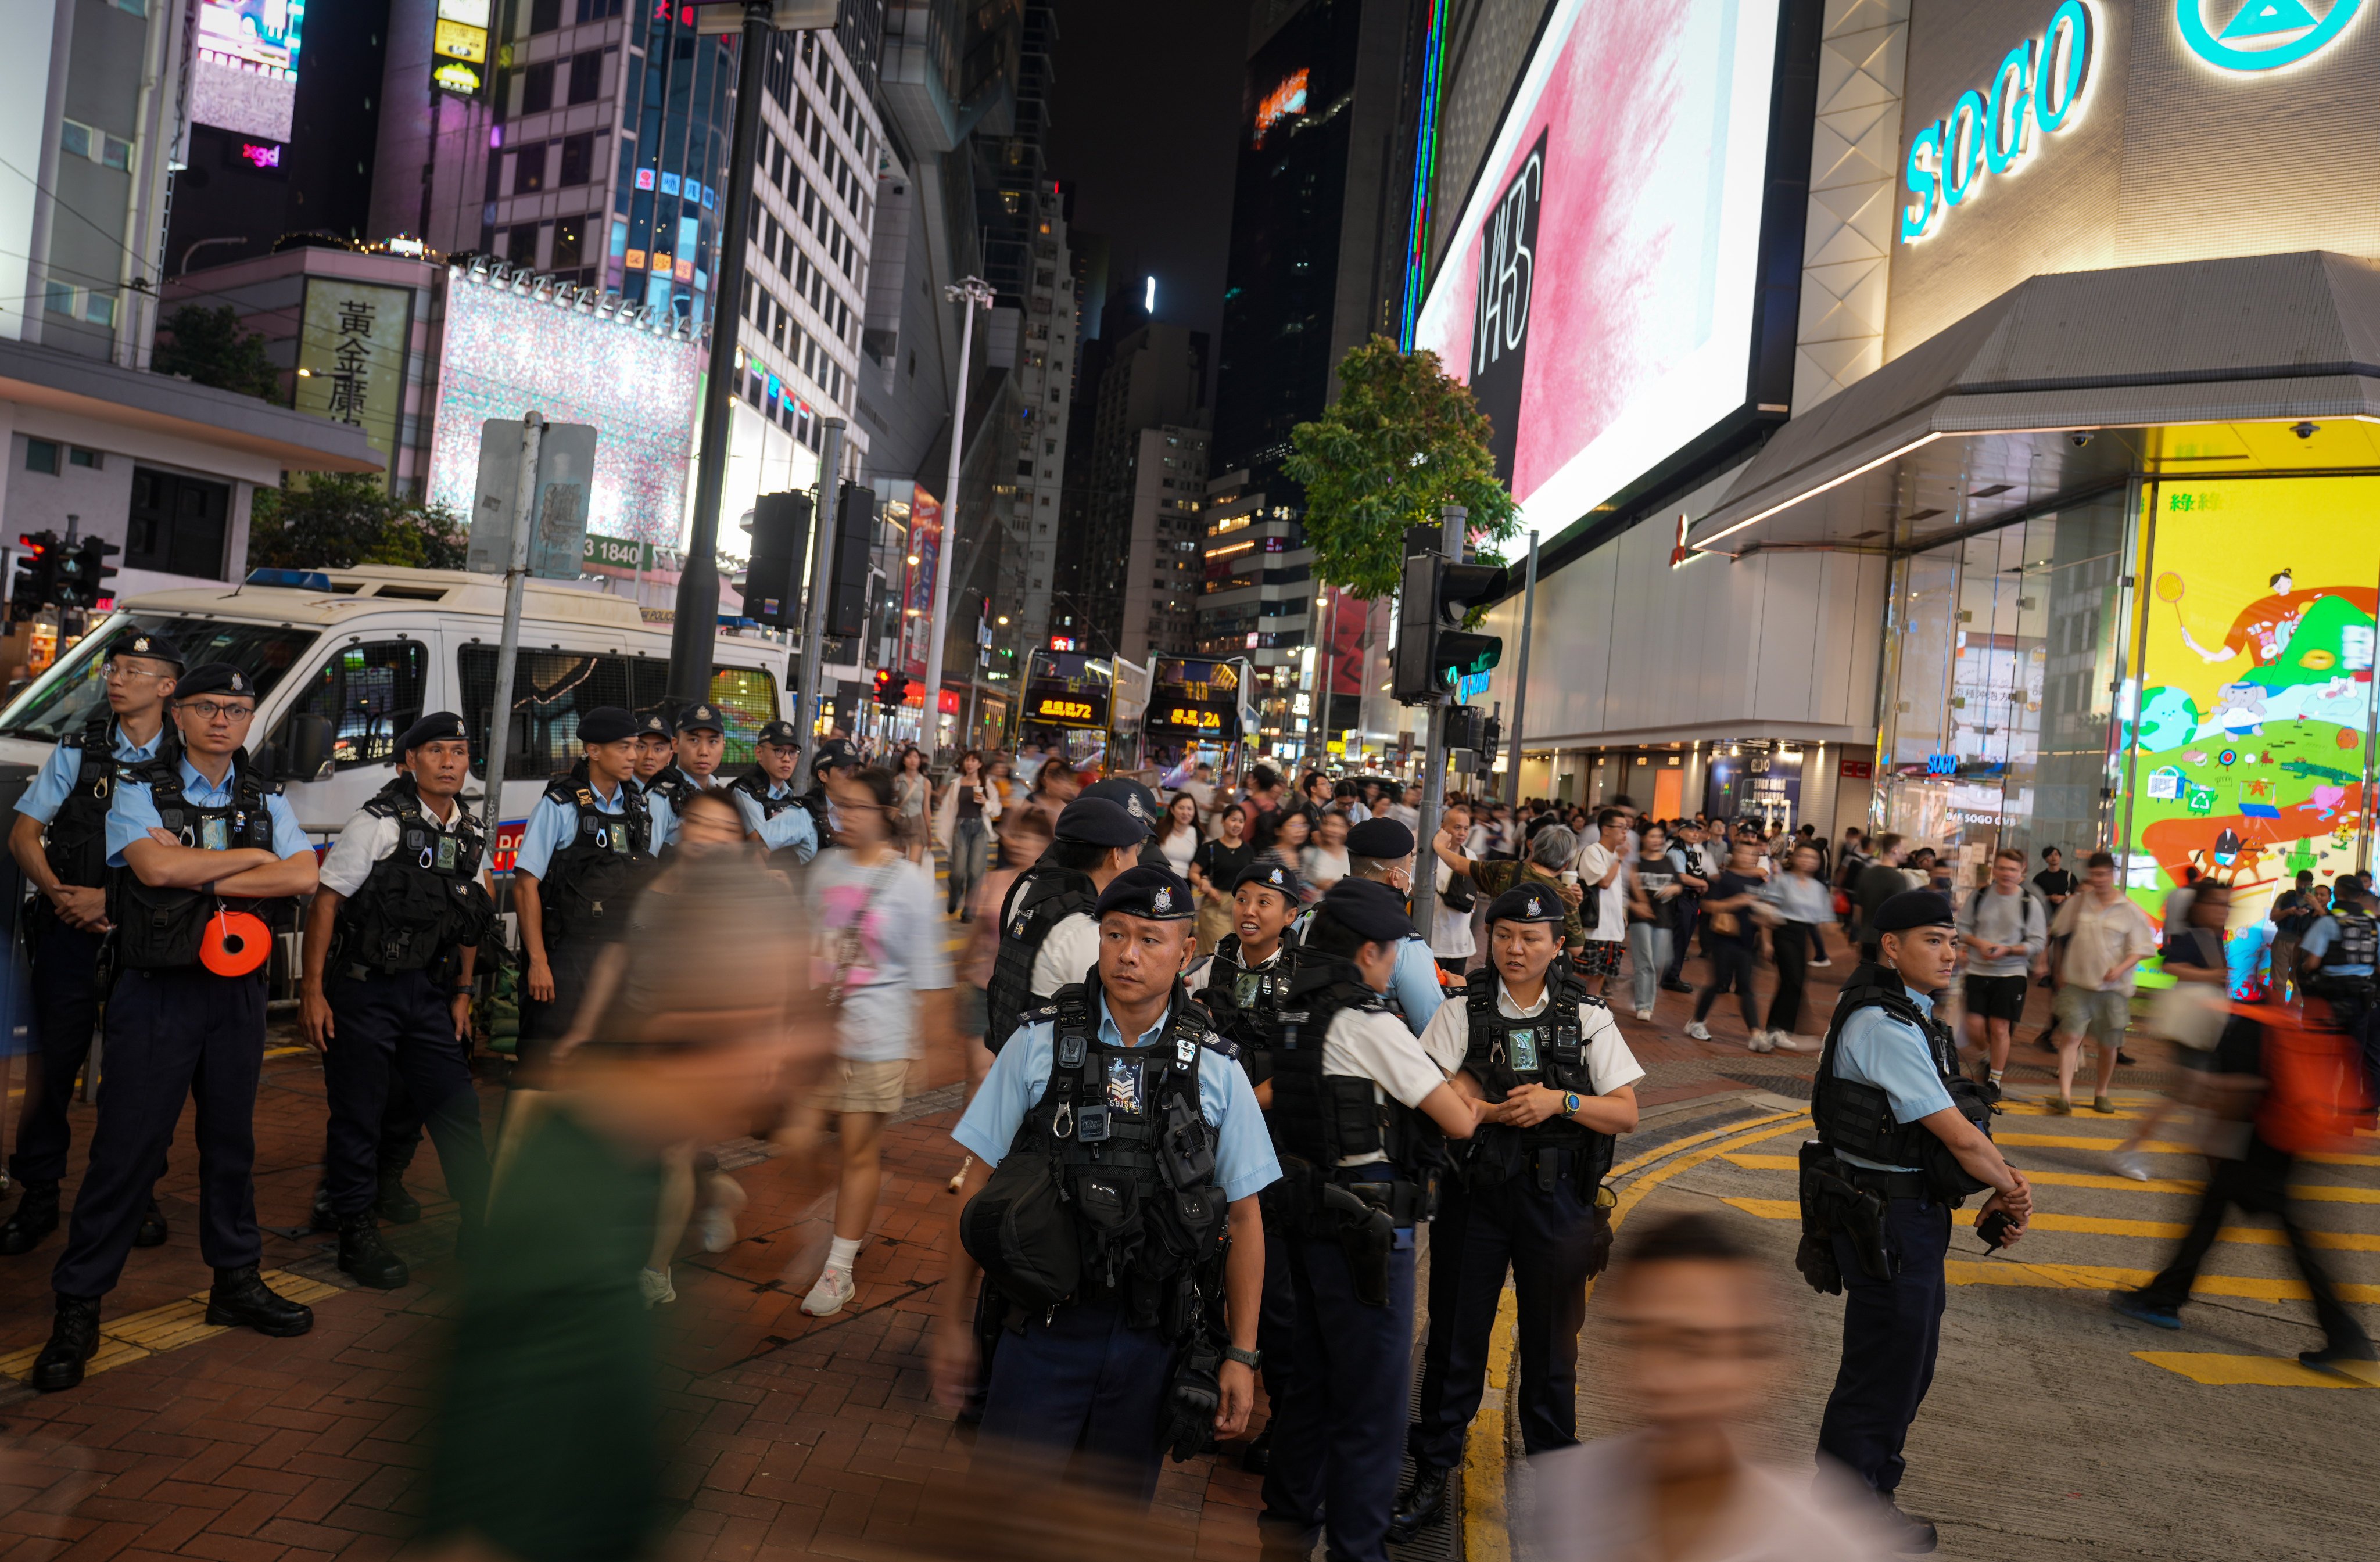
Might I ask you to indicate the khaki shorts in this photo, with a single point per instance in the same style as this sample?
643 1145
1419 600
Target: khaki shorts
863 1087
2100 1014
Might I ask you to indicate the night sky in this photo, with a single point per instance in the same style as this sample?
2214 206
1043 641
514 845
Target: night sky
1143 129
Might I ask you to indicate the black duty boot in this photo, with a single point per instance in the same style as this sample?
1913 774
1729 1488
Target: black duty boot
395 1204
1257 1457
1421 1504
73 1338
323 1218
362 1254
35 1217
154 1230
241 1299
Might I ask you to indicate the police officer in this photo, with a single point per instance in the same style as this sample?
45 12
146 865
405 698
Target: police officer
834 756
1530 1040
60 842
656 748
1381 851
392 945
1357 1107
1049 935
701 744
1898 1124
1142 805
1122 1087
584 842
2336 960
200 836
764 794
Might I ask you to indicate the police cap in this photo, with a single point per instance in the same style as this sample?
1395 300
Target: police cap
1527 903
1369 909
1132 797
438 727
700 717
1151 894
1383 839
1916 908
215 678
1270 876
1095 821
153 645
833 755
779 732
606 723
651 723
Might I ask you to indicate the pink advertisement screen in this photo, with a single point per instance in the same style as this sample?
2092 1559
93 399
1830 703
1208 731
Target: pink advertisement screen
1596 291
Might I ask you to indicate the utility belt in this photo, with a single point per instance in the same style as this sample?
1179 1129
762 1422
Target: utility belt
1360 1207
1839 1198
1502 1156
444 967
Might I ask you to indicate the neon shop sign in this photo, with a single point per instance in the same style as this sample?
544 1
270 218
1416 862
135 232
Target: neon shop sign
2037 92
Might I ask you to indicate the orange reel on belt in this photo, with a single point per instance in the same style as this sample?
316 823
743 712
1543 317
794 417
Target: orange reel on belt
237 943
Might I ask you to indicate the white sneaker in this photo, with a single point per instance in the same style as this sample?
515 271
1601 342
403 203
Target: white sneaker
826 1299
1646 1014
1785 1041
2131 1164
1760 1041
655 1286
1821 962
718 1229
1698 1031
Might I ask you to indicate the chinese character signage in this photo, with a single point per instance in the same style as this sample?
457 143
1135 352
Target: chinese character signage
351 356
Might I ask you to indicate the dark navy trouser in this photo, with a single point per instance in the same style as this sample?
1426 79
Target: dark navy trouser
1081 1382
1335 1437
397 1032
1892 1329
66 1011
172 1036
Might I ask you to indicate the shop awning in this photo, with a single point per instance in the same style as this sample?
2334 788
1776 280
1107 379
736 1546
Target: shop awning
2067 386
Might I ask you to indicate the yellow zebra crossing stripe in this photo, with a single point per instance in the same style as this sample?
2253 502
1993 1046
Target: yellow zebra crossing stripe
2261 1372
2102 1225
2321 1193
139 1335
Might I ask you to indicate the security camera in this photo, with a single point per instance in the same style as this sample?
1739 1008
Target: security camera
2080 437
2304 430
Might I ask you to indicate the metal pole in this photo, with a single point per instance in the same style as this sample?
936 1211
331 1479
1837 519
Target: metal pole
1521 681
976 293
821 578
1433 770
694 634
500 714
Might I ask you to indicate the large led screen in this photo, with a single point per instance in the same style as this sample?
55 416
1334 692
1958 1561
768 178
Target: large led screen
246 74
1596 292
506 353
2248 726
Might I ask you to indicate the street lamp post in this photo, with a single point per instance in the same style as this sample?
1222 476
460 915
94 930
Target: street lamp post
976 294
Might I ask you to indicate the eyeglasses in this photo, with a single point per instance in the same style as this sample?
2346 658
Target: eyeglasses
118 670
214 710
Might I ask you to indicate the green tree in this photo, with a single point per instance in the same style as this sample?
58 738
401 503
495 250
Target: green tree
1403 440
209 347
340 519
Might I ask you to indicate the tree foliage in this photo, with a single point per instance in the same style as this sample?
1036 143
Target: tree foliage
209 347
1403 440
340 519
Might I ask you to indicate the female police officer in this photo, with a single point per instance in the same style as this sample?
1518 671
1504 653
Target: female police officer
1529 1038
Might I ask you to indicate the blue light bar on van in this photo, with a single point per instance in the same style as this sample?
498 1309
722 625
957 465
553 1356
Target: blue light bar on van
297 580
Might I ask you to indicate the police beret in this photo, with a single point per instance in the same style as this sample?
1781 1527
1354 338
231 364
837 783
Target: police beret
1149 892
1131 796
1095 821
834 754
1270 876
1527 903
1369 909
437 727
155 647
779 733
651 723
1383 839
700 717
606 723
1916 908
215 678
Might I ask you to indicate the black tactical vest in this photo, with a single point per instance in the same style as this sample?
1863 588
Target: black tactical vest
161 928
421 900
1137 1159
75 842
1246 1000
1856 1116
588 878
669 783
1318 1119
1043 896
2358 944
755 783
1546 1048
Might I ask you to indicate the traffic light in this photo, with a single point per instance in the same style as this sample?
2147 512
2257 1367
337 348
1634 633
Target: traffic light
854 538
97 572
1434 651
1491 736
37 575
889 688
1465 724
780 542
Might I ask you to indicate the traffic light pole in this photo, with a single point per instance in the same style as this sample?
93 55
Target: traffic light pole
1453 518
1521 683
828 520
971 294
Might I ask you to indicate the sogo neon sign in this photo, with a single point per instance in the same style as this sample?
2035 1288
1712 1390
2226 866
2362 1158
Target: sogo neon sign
2040 86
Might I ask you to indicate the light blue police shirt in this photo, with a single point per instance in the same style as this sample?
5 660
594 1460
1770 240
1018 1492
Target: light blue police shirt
2317 941
50 787
551 824
792 827
1878 1049
134 813
1412 987
1020 1077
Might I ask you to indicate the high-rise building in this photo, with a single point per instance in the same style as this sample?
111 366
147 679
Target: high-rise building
1148 470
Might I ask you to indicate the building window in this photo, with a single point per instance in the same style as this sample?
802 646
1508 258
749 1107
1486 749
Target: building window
586 75
529 169
537 88
568 240
176 525
544 16
78 456
98 309
577 159
520 245
58 297
41 455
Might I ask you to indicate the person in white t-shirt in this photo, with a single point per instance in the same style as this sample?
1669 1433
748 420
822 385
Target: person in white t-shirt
1600 863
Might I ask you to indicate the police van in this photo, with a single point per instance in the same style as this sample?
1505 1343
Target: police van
345 660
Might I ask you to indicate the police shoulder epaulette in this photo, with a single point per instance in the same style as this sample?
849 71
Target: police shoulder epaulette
1219 1045
1592 1001
1045 1015
380 806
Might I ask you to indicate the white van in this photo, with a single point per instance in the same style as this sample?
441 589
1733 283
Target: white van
341 672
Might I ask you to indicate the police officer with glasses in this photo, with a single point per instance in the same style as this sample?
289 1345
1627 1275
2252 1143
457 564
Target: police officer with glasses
1547 1057
1118 1153
391 947
1358 1110
60 843
591 833
764 795
212 862
1902 1140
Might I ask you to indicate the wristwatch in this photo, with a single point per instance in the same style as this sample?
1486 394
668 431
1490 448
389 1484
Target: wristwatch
1252 1360
1570 1104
